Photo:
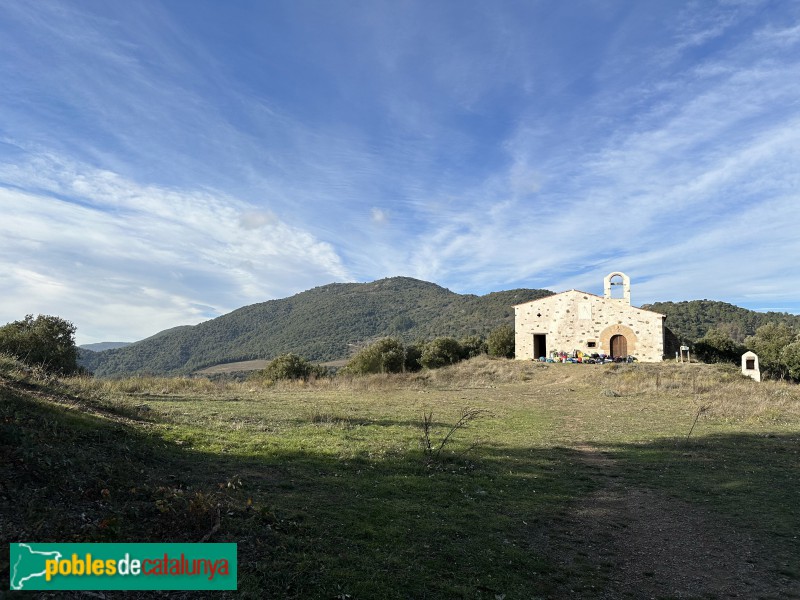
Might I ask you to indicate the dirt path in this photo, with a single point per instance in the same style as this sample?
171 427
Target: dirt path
627 542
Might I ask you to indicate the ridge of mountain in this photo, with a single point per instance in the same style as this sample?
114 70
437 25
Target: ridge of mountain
100 346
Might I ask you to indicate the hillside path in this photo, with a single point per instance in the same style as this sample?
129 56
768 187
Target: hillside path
639 543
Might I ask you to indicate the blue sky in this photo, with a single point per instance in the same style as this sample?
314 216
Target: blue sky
162 163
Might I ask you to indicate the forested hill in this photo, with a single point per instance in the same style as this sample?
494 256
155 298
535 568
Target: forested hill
324 323
691 320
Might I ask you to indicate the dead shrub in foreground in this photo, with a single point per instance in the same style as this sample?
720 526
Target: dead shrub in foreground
433 452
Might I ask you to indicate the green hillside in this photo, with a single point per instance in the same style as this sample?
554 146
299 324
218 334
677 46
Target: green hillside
324 323
690 320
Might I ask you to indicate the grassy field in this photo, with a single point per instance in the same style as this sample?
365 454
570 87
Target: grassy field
565 481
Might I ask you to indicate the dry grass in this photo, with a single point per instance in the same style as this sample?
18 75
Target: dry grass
147 386
722 389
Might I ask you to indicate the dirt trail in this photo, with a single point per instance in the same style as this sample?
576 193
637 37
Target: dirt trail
627 542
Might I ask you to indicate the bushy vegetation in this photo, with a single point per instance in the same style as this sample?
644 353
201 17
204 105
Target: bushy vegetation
718 347
384 356
776 346
413 354
389 355
440 352
45 342
790 355
472 346
290 366
501 342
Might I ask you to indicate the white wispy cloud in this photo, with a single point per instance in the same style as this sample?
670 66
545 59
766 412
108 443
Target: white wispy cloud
124 258
685 194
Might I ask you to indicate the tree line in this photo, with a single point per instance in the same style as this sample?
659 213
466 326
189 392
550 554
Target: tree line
391 355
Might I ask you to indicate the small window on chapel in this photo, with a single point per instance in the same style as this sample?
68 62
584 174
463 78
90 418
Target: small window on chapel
591 344
750 364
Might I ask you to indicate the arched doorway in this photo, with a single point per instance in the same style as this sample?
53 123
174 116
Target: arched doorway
619 341
619 346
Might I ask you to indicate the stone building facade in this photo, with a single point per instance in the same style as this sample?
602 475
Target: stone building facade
576 320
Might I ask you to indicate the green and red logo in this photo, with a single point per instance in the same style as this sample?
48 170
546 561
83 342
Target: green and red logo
122 566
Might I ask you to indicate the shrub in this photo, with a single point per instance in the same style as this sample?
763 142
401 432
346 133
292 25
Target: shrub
289 366
413 354
790 356
769 342
472 346
717 347
440 352
384 356
501 342
47 342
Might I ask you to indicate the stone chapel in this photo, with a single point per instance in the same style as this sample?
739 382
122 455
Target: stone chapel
575 320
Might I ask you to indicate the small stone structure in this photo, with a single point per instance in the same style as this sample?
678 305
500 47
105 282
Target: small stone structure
580 321
750 365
